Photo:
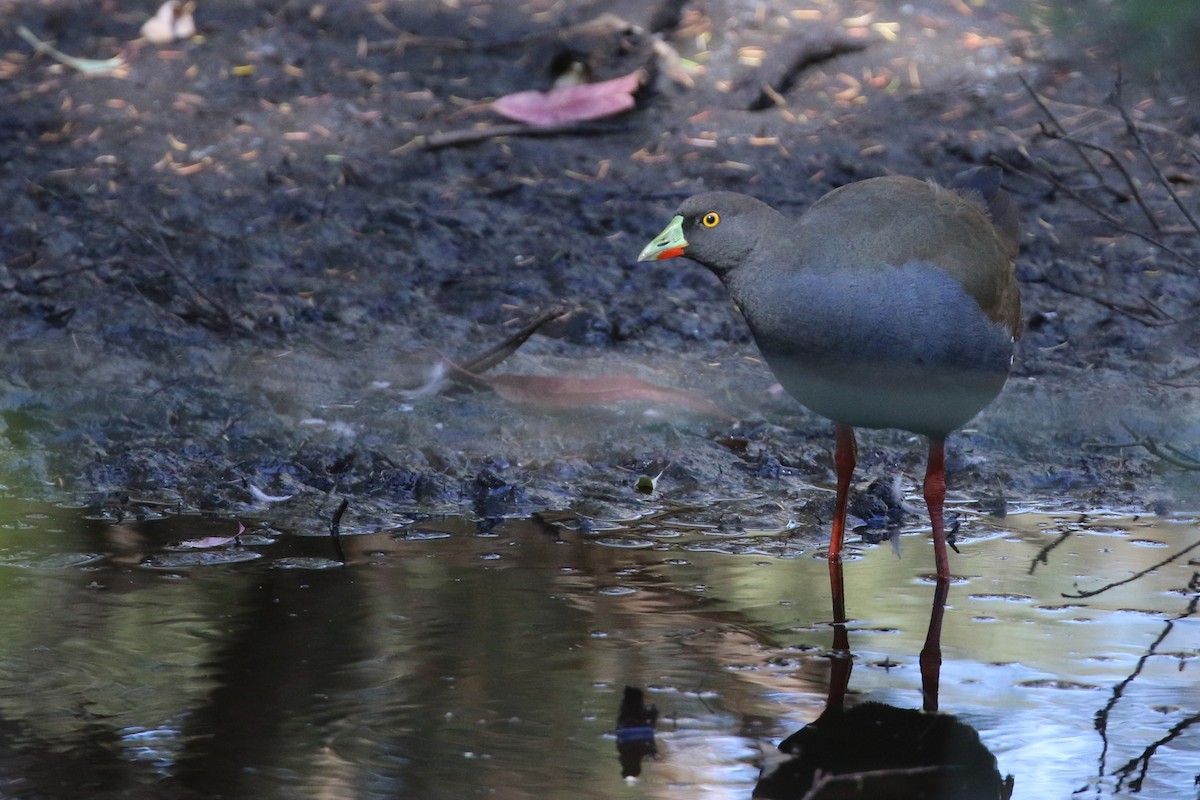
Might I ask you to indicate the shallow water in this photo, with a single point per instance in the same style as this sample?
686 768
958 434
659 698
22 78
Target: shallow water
452 660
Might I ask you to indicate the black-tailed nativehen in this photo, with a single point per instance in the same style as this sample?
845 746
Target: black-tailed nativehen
890 303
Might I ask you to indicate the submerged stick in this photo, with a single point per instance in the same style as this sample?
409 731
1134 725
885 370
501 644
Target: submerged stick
335 529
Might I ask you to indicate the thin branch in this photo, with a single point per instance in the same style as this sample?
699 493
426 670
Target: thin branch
1173 455
1043 555
1102 716
497 353
1106 115
437 141
335 529
1056 130
1115 99
824 779
1049 177
1116 162
1054 121
1115 222
1135 785
1185 459
1111 305
603 24
223 318
1136 575
407 39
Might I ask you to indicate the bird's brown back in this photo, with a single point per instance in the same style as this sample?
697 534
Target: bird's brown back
899 220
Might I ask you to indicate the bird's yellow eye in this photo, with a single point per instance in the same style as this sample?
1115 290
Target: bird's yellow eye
711 220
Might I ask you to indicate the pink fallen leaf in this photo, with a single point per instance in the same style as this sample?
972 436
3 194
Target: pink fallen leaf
571 103
569 392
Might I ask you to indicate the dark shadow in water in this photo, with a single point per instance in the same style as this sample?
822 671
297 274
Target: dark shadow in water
877 751
289 651
635 732
90 765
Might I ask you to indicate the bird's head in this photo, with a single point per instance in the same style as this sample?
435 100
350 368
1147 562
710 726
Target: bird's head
717 229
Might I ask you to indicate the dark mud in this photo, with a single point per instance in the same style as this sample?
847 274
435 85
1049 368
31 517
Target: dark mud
223 268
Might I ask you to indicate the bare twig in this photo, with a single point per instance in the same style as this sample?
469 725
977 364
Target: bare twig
494 355
1116 162
1180 378
335 529
1049 177
1170 454
468 372
1118 691
1116 100
1167 452
1113 221
1043 555
1133 313
437 141
335 524
407 39
1054 121
603 24
1136 575
1143 759
48 276
823 779
1054 129
1185 459
223 318
1104 116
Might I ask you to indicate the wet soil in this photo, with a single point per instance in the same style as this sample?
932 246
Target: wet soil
224 269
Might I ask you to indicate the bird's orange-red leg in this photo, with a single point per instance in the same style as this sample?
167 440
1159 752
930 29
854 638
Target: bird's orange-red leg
841 661
931 653
935 498
844 456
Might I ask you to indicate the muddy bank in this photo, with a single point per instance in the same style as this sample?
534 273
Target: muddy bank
223 267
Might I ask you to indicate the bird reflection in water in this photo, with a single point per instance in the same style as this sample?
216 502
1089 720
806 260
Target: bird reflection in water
635 732
877 751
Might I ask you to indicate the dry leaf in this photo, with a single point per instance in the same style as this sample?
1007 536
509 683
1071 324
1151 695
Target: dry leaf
262 497
571 103
569 392
554 391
